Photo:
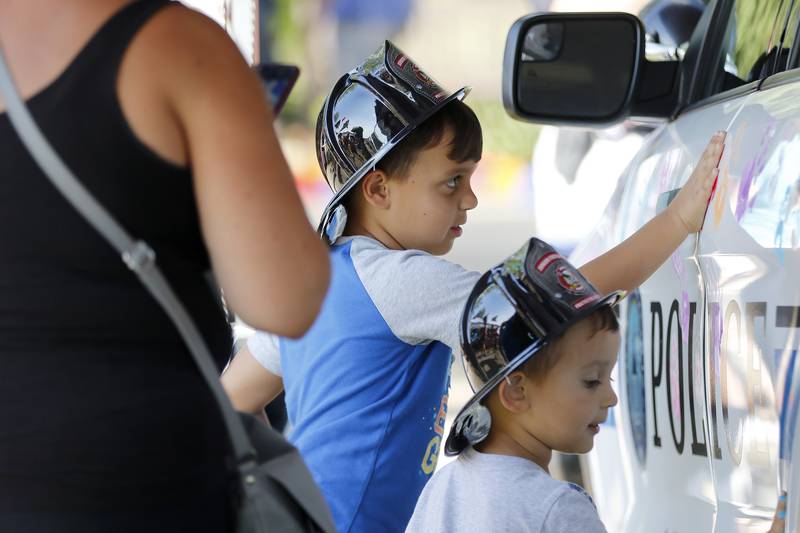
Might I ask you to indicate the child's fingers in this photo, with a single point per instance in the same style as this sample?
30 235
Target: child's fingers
721 148
704 167
714 149
711 180
711 157
713 188
711 147
707 174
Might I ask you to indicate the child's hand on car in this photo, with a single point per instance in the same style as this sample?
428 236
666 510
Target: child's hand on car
691 202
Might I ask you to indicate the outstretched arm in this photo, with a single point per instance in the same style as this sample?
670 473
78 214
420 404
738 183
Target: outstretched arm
249 385
630 263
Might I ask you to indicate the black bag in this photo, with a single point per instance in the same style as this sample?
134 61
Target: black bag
287 499
277 492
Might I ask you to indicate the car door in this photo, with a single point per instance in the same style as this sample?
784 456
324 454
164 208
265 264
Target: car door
694 441
749 261
654 454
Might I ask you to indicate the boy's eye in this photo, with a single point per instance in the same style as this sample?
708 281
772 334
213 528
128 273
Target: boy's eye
591 383
452 183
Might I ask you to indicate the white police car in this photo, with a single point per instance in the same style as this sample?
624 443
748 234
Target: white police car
703 438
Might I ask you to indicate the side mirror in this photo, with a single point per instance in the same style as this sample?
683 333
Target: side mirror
578 69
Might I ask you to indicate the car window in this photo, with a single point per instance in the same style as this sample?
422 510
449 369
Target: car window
751 43
791 40
779 57
669 27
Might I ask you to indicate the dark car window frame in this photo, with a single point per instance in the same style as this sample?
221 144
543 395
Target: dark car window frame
710 47
794 55
792 72
706 42
783 39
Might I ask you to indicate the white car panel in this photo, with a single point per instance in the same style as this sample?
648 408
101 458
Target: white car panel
710 338
749 258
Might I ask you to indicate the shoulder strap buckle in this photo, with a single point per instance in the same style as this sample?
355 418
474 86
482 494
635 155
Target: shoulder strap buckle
139 256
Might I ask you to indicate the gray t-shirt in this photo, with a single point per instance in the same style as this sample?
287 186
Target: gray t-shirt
499 493
420 297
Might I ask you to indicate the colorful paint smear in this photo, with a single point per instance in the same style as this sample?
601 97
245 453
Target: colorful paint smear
684 316
675 391
677 265
666 169
731 154
752 171
722 195
683 312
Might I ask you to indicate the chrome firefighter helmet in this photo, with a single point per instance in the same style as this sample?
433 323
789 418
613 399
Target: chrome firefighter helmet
367 113
516 309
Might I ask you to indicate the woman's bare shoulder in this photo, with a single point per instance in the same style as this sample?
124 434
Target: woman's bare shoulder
183 43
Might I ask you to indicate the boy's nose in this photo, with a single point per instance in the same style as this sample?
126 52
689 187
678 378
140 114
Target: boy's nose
612 398
469 200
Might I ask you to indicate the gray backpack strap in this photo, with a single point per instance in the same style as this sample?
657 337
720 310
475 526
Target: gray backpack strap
137 255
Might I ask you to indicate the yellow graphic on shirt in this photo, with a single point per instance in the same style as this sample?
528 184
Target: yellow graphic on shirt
431 455
432 451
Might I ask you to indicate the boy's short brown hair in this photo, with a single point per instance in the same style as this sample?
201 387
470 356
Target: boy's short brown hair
456 117
466 145
537 367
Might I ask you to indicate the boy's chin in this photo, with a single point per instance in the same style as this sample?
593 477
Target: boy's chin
436 250
442 248
579 447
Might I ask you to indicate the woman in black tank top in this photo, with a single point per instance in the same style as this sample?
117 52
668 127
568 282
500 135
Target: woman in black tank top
105 422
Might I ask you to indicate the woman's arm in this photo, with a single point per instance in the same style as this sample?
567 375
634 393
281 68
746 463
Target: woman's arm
267 257
630 263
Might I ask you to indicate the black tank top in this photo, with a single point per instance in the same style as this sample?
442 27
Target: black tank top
101 406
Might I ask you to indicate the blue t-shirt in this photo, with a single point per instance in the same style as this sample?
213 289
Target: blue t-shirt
366 387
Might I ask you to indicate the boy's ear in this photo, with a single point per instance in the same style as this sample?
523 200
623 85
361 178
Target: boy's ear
375 189
513 394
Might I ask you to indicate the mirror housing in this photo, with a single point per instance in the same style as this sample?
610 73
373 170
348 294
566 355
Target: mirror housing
584 69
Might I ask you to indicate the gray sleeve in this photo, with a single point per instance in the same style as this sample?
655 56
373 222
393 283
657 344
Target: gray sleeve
572 511
266 350
420 296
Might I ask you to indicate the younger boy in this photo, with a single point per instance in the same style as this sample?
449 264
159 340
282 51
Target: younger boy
539 343
366 387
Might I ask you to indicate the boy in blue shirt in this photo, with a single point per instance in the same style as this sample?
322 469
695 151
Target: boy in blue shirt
366 387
